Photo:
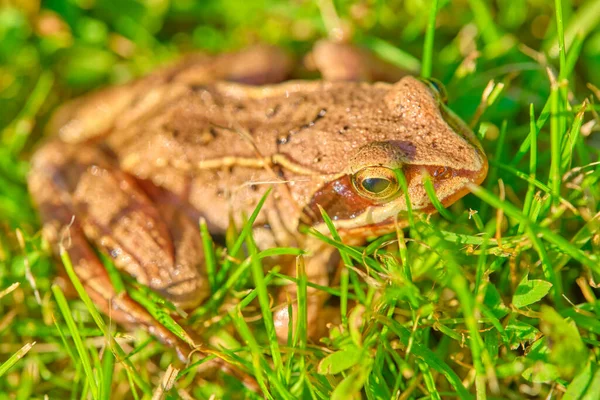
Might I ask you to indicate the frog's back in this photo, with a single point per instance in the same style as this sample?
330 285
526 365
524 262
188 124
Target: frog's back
222 124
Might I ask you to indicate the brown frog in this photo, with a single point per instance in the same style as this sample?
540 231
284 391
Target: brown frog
131 169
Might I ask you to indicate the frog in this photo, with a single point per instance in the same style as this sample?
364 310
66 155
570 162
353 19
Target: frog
130 170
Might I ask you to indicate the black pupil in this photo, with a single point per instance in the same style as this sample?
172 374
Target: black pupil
375 185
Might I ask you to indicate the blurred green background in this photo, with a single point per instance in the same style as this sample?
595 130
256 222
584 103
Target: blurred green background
54 50
87 43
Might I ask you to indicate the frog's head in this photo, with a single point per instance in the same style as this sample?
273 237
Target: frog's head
423 138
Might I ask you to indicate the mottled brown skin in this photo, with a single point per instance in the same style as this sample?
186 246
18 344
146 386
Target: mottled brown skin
132 169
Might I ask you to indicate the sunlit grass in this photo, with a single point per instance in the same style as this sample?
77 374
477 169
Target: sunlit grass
494 297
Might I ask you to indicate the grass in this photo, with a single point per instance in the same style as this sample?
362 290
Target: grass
492 298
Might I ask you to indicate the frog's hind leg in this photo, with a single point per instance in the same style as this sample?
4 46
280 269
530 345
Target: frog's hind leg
84 201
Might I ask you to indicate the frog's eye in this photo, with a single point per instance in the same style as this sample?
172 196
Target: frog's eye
437 88
376 183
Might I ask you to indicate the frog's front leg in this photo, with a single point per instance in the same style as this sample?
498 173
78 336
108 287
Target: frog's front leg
86 202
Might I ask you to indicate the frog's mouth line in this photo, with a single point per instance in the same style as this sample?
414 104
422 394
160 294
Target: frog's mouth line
356 216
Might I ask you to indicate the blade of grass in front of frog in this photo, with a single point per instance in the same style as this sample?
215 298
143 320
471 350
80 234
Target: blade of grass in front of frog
540 185
525 145
331 291
161 314
428 356
573 54
245 302
193 367
480 270
379 371
139 347
69 349
556 133
98 369
210 259
403 250
560 33
84 356
242 362
429 380
114 346
378 243
243 279
231 236
108 367
533 133
264 302
430 190
113 272
428 45
237 245
14 358
350 250
299 339
345 273
259 364
216 299
151 295
395 364
492 178
571 138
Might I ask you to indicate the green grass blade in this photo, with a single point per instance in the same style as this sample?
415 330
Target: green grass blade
114 346
532 167
13 359
246 231
430 190
210 261
561 38
344 279
545 233
84 356
429 357
264 301
428 45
